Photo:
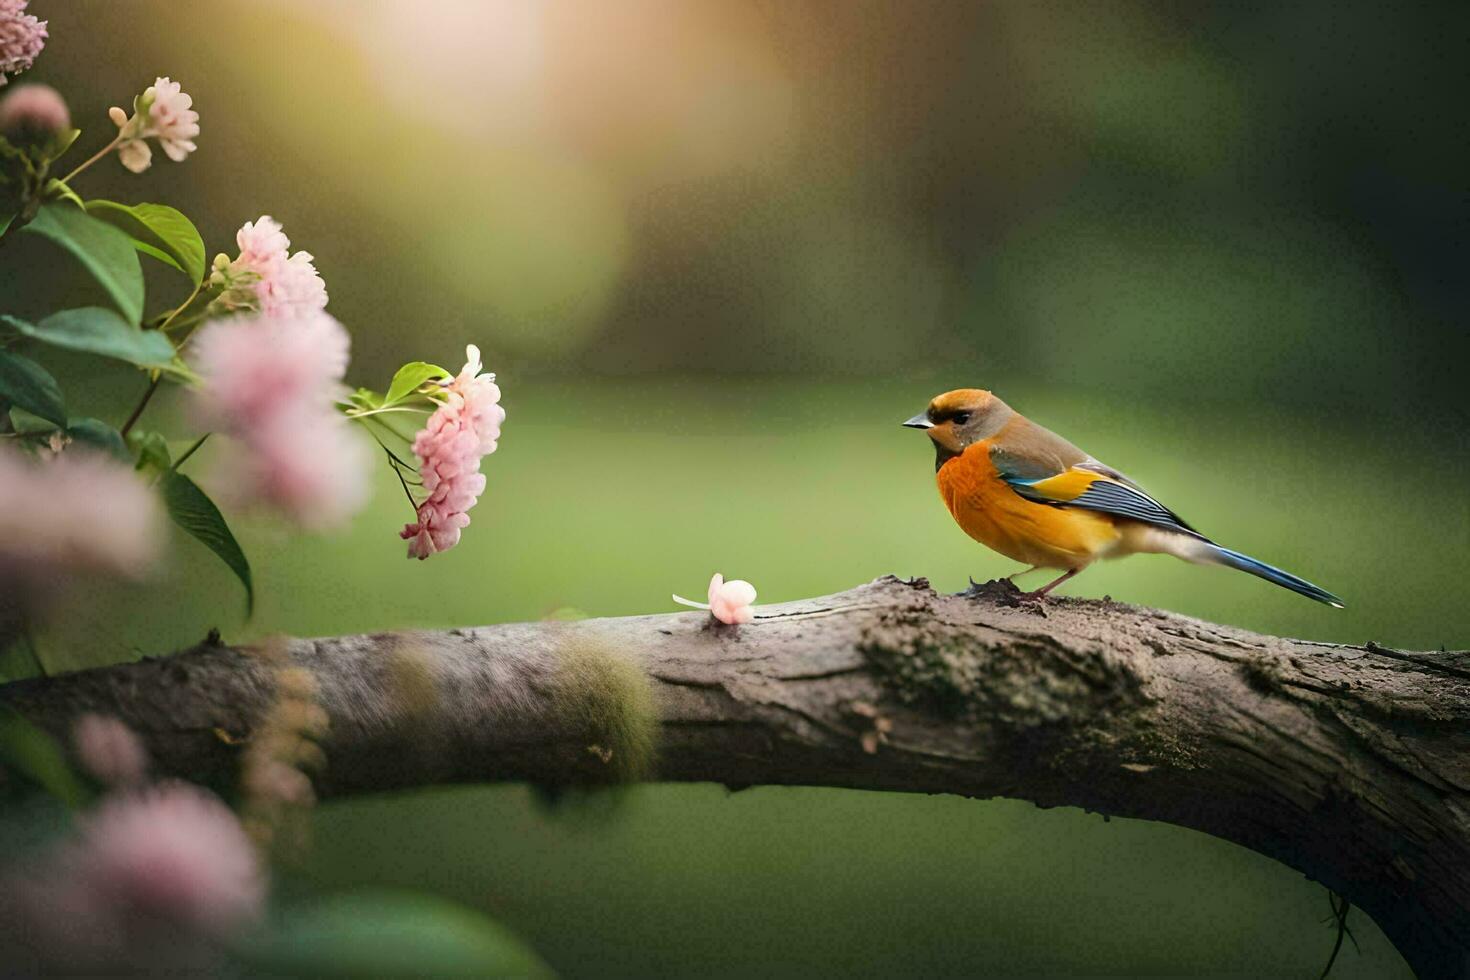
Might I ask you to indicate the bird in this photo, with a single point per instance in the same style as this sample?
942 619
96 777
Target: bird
1024 491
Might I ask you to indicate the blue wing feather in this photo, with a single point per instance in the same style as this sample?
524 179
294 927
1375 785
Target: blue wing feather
1113 494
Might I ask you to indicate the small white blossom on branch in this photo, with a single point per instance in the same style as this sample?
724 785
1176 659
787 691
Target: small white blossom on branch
729 602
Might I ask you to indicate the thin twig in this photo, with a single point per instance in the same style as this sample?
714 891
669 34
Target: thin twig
181 307
157 378
1340 913
397 465
404 484
190 451
356 414
92 159
384 423
142 404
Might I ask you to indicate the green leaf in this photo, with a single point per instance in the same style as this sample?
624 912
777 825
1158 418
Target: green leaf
366 398
55 188
27 425
27 385
34 754
95 432
151 450
98 330
18 660
192 510
159 230
106 252
63 141
409 378
386 933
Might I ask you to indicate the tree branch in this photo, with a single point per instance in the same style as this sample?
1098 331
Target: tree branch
1350 764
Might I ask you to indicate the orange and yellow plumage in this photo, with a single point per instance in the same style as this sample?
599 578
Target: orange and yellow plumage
991 512
1027 493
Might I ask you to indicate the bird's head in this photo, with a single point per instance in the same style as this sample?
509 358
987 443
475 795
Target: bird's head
960 418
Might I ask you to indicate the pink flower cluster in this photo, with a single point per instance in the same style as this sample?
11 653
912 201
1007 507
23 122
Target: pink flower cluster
77 511
462 431
270 383
165 113
266 276
22 37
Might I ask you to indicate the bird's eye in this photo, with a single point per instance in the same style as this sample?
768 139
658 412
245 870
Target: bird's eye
960 418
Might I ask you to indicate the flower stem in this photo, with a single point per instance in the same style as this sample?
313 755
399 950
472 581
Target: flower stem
142 404
157 378
190 451
366 419
404 484
93 158
394 463
362 414
181 307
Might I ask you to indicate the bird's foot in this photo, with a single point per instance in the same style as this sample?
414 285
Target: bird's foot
1032 601
999 589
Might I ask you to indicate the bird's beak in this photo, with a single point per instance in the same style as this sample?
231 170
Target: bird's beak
920 421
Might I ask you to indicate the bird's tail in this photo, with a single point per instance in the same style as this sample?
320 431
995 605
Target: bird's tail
1210 552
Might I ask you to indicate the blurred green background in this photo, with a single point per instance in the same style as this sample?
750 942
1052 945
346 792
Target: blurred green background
716 251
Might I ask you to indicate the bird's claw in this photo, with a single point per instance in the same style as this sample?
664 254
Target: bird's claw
1000 589
1033 601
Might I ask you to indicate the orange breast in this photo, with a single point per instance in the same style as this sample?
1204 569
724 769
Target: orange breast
992 513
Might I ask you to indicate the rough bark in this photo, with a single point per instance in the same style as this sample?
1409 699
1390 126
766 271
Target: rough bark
1350 764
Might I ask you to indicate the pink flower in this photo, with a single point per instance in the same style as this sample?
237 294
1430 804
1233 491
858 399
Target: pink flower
78 511
171 119
171 853
109 750
257 366
308 464
22 37
162 112
265 276
32 111
152 884
462 431
270 384
729 602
